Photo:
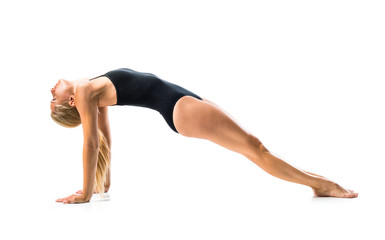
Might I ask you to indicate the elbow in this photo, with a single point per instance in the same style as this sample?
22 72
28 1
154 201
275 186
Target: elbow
92 145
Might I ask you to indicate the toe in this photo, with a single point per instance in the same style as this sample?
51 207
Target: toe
354 194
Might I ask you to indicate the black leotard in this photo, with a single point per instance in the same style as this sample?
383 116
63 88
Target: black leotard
147 90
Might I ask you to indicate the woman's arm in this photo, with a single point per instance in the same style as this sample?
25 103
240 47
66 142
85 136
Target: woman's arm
104 126
87 107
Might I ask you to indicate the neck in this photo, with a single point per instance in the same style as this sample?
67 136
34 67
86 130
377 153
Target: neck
72 87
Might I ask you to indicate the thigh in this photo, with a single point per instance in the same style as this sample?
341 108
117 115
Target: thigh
204 119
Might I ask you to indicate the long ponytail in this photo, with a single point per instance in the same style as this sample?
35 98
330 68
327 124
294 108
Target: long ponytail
103 163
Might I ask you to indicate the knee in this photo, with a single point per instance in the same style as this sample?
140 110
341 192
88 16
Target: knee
256 146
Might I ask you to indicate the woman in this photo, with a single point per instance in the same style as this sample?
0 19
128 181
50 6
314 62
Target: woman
85 102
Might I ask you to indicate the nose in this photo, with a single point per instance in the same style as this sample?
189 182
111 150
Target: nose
53 91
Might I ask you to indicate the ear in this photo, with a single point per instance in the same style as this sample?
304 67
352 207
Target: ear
72 101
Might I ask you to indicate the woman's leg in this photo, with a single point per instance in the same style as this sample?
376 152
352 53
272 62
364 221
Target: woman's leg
204 119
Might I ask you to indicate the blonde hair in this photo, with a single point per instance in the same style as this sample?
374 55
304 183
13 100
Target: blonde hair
68 116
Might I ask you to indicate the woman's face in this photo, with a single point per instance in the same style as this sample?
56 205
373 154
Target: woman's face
59 93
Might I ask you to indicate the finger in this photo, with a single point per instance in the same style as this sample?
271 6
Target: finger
79 192
67 200
64 200
71 199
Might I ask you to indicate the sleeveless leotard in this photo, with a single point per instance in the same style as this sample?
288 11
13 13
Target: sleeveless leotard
147 90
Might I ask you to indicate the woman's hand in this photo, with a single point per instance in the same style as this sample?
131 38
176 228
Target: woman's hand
105 191
75 198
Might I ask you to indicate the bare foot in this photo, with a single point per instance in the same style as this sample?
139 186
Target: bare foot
332 189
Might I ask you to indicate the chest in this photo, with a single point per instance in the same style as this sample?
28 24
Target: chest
105 90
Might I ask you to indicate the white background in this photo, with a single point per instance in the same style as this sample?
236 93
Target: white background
305 77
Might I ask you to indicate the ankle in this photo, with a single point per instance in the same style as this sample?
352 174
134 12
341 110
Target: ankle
326 184
320 183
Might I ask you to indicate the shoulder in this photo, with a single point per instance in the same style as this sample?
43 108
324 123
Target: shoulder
85 93
86 101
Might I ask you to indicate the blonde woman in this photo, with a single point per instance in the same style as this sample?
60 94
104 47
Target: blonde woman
85 102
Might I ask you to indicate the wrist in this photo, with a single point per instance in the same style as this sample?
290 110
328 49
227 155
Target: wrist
85 198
